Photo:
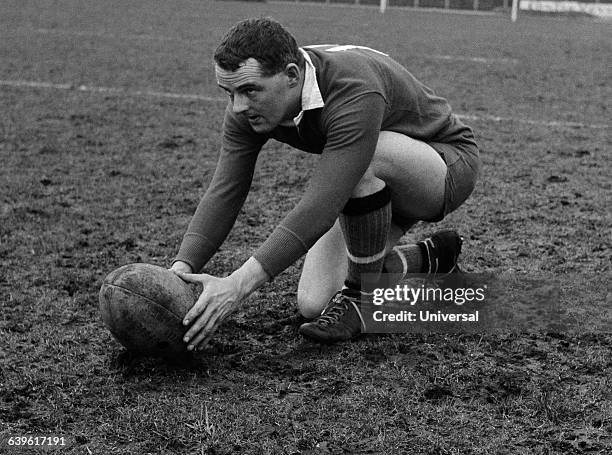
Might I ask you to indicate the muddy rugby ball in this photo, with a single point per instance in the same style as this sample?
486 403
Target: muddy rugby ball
143 306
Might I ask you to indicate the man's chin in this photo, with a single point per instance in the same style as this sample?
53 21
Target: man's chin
261 128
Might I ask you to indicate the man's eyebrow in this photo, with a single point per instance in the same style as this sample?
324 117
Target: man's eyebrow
241 87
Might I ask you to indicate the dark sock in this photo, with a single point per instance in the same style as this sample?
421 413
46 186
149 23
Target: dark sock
365 223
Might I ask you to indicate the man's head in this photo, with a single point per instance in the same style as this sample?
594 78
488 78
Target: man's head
260 66
263 39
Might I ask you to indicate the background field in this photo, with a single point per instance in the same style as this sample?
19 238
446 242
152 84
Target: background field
102 165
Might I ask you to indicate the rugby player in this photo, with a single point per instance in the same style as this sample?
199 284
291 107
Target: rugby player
392 153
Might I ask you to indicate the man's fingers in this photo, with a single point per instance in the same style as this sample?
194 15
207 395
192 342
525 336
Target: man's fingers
192 277
195 328
209 328
217 300
203 327
204 336
199 316
196 310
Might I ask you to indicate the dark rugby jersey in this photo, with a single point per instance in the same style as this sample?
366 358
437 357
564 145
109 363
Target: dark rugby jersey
364 92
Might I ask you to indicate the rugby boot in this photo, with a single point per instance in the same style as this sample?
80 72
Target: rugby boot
341 319
441 252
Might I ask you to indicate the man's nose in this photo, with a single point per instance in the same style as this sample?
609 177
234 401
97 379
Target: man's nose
239 104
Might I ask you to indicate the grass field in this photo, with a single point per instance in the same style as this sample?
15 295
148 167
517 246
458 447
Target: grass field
102 164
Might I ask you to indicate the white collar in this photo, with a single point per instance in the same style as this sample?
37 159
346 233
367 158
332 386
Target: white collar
311 94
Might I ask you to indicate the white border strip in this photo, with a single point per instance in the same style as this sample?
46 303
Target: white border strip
458 58
552 123
111 90
212 99
594 9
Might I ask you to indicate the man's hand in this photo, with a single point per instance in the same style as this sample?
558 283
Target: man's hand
220 297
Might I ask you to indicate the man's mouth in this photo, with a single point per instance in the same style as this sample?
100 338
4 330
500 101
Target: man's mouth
253 118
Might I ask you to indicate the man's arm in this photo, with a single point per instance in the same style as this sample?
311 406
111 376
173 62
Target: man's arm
219 207
350 147
249 277
352 135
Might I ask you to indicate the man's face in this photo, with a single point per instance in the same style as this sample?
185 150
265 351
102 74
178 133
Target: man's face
265 101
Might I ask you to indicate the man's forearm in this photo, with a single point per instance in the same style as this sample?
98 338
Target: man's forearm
249 277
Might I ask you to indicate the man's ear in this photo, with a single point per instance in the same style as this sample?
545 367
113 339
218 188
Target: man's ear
293 73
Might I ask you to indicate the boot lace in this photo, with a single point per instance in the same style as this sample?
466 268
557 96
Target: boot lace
336 308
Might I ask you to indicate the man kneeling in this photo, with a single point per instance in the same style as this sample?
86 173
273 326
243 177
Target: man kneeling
391 153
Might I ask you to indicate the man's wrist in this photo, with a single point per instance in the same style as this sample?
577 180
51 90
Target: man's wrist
181 266
249 277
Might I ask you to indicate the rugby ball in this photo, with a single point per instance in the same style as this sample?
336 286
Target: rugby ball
143 306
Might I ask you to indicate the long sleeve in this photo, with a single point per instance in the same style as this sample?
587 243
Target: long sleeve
219 207
351 141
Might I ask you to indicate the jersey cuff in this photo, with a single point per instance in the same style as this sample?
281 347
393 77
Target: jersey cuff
281 250
195 250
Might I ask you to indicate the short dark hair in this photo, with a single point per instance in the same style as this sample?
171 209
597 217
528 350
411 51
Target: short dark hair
263 39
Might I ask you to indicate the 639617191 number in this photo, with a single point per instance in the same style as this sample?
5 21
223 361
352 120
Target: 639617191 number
36 441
